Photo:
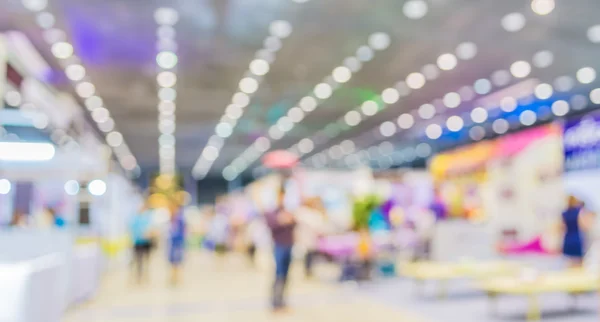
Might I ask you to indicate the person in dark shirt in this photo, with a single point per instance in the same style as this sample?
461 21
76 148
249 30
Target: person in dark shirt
281 223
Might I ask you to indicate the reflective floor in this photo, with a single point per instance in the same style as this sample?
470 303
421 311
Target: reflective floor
229 289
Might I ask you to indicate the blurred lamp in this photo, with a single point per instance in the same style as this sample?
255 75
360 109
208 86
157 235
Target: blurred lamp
97 187
26 151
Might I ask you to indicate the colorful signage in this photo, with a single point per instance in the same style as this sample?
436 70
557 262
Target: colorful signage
582 143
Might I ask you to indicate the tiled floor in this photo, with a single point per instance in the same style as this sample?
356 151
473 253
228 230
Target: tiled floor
226 290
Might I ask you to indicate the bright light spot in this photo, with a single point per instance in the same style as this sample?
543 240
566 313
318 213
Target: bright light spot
406 121
542 7
224 130
13 98
114 139
308 103
166 59
415 9
100 115
72 187
560 108
35 5
479 115
85 89
166 127
296 114
430 71
75 72
427 111
379 41
128 162
543 59
240 99
62 50
167 94
433 131
455 123
452 100
26 151
323 91
259 67
586 75
423 150
369 108
97 187
415 80
528 117
341 74
285 124
54 35
387 129
500 126
477 133
501 77
390 95
520 69
166 107
166 79
45 20
166 16
352 118
265 55
402 88
305 145
466 93
447 62
40 121
543 91
364 53
166 140
594 34
348 146
508 104
353 64
513 22
272 44
578 102
262 144
210 153
564 83
466 51
248 85
5 186
280 29
595 96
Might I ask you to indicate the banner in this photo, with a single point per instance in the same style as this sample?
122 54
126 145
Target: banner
582 143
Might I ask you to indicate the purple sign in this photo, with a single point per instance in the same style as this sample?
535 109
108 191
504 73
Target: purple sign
582 143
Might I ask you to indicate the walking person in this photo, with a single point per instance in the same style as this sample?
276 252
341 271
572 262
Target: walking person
176 243
281 223
575 222
141 235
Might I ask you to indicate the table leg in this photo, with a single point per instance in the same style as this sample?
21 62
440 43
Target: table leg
534 311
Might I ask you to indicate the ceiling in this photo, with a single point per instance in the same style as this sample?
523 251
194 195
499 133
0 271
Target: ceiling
217 39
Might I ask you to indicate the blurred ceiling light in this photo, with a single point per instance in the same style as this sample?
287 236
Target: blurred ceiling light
166 107
543 59
352 118
323 91
166 59
166 33
433 131
364 53
466 93
513 22
560 108
482 86
97 187
348 146
415 80
477 133
595 96
390 95
508 104
248 85
85 89
26 151
466 51
386 147
500 126
578 102
45 20
54 35
75 72
62 50
542 7
369 108
379 41
353 64
593 34
296 114
166 79
402 88
166 44
35 5
479 115
272 44
285 124
387 129
455 123
528 117
107 126
100 115
5 186
275 133
265 55
501 77
405 121
259 67
427 111
129 162
415 9
423 150
40 121
430 71
114 139
167 94
280 29
543 91
262 144
308 103
13 98
166 127
166 140
446 61
305 145
240 99
520 69
564 83
452 100
341 74
224 130
210 153
586 75
72 187
166 16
